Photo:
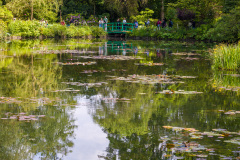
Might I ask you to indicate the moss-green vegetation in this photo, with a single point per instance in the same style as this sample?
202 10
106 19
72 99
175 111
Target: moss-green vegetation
171 33
226 57
35 29
216 20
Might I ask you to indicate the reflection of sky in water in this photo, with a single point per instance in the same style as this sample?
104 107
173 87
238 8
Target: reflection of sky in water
90 141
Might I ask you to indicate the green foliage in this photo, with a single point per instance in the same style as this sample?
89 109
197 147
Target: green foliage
34 29
98 32
204 10
5 14
226 28
226 57
93 21
171 13
143 16
103 15
38 9
3 29
24 28
122 8
228 5
171 33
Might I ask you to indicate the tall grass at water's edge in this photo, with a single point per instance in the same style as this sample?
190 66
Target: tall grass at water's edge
226 57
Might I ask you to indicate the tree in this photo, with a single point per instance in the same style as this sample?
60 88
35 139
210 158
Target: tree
228 5
122 8
38 9
5 14
227 28
94 3
204 10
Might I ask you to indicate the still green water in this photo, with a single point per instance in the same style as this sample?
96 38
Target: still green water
98 99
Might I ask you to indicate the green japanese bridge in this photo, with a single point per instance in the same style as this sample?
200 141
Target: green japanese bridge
118 28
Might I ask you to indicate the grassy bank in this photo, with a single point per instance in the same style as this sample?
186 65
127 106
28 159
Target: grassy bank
226 57
33 29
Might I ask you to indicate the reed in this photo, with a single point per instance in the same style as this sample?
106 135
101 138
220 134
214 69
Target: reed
226 57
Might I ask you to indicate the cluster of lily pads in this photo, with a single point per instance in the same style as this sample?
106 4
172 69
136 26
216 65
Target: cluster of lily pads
195 134
43 100
152 79
85 84
149 64
185 54
187 58
114 100
231 112
179 146
178 92
77 63
63 51
23 117
229 88
9 100
67 90
111 57
100 71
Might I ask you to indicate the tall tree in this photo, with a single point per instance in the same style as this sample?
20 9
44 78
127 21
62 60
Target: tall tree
94 3
34 8
204 10
125 8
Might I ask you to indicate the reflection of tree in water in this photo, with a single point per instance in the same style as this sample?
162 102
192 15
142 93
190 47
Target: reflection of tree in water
49 138
34 77
135 129
27 75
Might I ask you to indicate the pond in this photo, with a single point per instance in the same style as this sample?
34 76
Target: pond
116 99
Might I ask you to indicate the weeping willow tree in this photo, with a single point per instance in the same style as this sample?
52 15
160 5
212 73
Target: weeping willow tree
125 8
35 9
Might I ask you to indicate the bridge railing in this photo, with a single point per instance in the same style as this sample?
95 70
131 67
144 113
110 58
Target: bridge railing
118 27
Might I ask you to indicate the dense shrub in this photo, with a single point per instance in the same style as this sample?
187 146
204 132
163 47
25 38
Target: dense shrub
35 29
3 29
227 28
5 14
98 32
171 33
24 28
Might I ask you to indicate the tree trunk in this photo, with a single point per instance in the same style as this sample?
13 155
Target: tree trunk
94 9
32 10
162 10
60 16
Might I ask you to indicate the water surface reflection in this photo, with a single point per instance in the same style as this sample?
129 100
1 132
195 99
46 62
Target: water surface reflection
96 99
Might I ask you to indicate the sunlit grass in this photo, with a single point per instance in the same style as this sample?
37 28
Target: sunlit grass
226 57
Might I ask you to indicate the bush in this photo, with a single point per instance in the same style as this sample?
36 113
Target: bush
171 33
3 29
226 28
34 29
24 28
97 31
5 14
